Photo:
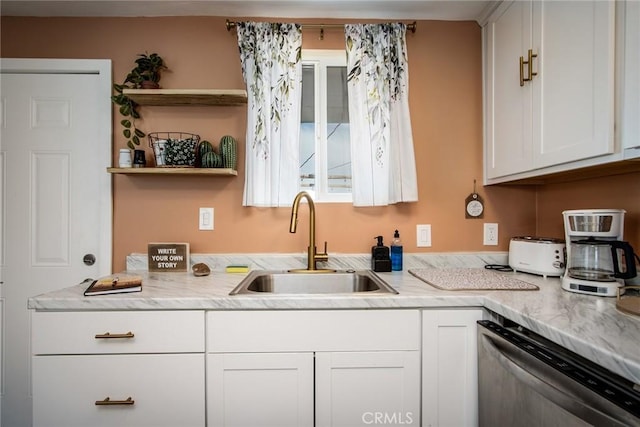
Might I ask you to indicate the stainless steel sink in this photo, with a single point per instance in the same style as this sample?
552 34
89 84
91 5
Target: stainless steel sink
338 282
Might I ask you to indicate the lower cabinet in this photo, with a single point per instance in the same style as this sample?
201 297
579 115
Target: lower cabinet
119 390
277 389
450 367
277 368
110 368
306 368
260 389
365 388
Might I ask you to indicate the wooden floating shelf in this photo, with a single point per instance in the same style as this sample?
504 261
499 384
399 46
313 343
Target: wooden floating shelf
171 97
174 171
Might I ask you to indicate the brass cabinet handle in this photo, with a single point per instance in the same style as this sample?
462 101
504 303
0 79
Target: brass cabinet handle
109 335
108 402
529 62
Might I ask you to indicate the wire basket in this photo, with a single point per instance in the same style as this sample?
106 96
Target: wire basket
174 149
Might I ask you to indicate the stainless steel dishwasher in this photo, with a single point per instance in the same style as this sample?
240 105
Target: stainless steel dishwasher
525 380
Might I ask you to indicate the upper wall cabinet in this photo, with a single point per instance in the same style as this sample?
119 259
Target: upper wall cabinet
549 87
630 93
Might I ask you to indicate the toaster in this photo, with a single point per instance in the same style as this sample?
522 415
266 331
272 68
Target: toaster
537 255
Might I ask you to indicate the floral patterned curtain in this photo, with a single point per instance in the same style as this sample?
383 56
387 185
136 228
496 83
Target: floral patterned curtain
383 161
270 55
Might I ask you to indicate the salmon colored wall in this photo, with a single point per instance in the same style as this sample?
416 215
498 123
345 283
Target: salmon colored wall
446 111
614 192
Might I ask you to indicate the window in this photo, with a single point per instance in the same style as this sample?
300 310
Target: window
325 150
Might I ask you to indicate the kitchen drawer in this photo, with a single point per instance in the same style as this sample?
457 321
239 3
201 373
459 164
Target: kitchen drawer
321 330
166 390
117 332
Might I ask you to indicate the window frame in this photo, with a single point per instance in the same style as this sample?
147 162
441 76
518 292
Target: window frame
320 59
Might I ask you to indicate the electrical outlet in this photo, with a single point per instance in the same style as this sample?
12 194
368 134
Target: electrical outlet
490 234
205 221
423 235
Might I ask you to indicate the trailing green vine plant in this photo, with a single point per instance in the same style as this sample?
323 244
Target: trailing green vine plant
145 75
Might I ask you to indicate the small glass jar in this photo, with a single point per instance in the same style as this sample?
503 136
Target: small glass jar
124 161
139 160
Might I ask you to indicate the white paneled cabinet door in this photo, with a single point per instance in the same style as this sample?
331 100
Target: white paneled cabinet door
508 147
260 389
449 368
573 94
549 86
367 388
631 82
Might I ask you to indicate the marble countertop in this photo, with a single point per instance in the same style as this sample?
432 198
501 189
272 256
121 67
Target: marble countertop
590 326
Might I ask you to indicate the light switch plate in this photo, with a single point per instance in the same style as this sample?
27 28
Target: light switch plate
205 221
423 235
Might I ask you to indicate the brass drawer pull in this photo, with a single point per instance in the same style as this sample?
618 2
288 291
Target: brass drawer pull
109 335
108 402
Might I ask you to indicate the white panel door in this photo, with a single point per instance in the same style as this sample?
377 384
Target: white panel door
260 389
450 368
573 93
367 388
55 143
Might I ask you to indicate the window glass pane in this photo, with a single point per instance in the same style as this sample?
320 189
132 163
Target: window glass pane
308 130
338 146
325 154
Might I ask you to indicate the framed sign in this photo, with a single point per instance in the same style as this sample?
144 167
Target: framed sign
168 257
473 205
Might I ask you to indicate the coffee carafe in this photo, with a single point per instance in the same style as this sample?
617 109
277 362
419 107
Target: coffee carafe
601 260
598 260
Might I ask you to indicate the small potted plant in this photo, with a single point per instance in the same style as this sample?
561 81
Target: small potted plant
145 75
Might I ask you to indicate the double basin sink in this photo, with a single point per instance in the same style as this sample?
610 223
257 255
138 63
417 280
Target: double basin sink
262 282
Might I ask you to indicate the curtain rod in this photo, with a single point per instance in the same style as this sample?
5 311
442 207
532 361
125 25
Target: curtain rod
232 24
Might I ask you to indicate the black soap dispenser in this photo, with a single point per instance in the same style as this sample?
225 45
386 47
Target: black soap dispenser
380 257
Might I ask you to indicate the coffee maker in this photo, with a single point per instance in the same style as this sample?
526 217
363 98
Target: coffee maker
598 260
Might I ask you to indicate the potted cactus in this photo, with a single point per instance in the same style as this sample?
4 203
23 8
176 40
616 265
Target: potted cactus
229 152
226 157
145 75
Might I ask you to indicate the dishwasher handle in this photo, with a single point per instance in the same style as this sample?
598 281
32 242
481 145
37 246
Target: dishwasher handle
514 360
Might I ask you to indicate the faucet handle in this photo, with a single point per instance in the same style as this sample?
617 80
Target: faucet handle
324 256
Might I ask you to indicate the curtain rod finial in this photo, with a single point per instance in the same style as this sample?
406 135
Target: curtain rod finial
230 25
